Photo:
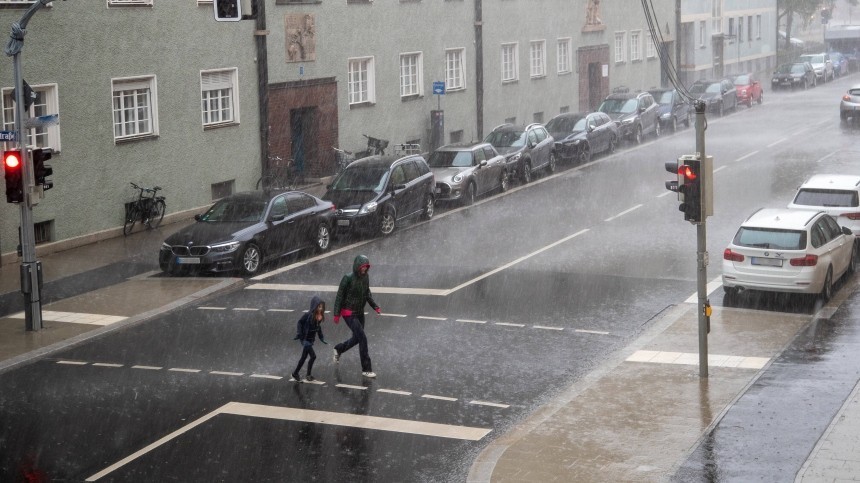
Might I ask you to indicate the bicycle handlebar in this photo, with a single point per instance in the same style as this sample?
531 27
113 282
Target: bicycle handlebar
148 190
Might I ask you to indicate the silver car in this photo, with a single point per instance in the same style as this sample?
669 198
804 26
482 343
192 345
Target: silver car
849 107
465 171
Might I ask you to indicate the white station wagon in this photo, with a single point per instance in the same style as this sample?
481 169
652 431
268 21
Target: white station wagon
836 194
788 250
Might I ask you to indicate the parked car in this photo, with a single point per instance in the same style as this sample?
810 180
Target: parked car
465 171
849 107
526 149
719 95
821 63
578 136
673 109
796 74
794 251
373 194
838 195
635 113
749 89
245 230
840 64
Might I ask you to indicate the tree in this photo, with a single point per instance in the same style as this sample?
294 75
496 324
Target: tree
805 9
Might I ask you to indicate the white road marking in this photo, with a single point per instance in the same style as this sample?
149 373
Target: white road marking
440 398
547 327
285 310
619 215
491 404
350 386
692 358
392 315
73 363
106 364
211 308
222 373
333 288
245 309
584 331
508 324
147 368
311 416
75 317
392 391
180 369
267 376
305 381
470 321
776 142
426 317
709 289
825 157
720 168
745 156
666 193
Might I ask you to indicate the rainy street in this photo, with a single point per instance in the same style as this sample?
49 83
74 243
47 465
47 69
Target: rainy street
488 313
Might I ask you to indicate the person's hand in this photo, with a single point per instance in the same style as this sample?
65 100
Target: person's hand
337 319
378 310
323 341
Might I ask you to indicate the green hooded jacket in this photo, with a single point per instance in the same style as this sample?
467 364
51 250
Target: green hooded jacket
354 289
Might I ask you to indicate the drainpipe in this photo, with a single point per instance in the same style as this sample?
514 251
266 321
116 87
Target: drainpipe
678 40
259 14
479 69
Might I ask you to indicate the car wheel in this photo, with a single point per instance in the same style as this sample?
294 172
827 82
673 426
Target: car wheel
827 288
526 174
721 110
613 144
674 124
761 98
689 120
637 138
470 194
503 182
251 259
323 238
429 207
552 162
584 153
387 222
657 129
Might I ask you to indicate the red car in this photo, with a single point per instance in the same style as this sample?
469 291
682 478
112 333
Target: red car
749 89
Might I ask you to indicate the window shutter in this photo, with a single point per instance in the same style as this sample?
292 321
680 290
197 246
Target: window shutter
217 80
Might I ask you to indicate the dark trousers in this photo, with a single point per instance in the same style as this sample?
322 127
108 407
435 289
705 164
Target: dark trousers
308 350
355 322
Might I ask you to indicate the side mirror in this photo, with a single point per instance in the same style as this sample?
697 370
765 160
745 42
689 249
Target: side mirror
277 217
197 217
847 231
483 164
590 128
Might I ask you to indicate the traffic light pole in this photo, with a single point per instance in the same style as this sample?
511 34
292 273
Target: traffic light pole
31 269
702 249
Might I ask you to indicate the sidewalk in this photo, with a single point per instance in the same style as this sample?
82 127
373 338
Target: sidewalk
635 418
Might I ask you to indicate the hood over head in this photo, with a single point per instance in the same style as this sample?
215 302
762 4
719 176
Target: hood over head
359 261
316 301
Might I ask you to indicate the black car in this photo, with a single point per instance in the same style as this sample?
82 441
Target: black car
373 194
634 112
526 149
719 95
580 135
244 230
674 110
797 74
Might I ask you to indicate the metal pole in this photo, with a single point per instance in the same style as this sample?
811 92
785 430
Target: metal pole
701 249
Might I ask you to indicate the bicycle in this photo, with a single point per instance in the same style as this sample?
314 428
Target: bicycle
148 210
374 146
342 159
279 177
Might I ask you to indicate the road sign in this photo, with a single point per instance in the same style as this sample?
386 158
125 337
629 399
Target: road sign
438 87
8 135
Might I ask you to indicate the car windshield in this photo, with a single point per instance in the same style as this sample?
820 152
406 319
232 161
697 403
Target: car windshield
796 69
233 210
812 59
817 197
742 80
507 139
701 88
664 98
362 178
566 124
772 238
446 159
623 106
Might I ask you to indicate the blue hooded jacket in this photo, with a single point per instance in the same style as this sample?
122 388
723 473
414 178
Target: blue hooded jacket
307 328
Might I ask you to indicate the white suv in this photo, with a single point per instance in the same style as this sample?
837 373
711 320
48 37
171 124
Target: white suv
836 194
821 63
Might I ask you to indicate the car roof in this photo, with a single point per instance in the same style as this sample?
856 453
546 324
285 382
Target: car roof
626 95
462 146
781 218
381 160
833 181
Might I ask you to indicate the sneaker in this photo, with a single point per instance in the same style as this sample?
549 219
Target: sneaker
310 378
297 377
369 374
336 356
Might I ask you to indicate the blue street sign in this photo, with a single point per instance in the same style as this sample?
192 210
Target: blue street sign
438 87
7 135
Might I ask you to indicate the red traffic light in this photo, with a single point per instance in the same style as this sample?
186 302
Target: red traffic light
12 159
687 172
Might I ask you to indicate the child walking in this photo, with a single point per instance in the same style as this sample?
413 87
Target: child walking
306 332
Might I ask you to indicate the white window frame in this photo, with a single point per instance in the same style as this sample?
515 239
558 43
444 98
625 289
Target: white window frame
455 72
635 45
510 62
219 99
702 33
651 50
564 57
130 2
361 80
620 47
717 16
42 137
537 58
137 86
411 74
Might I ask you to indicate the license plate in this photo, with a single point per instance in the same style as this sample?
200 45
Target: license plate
342 222
188 260
767 262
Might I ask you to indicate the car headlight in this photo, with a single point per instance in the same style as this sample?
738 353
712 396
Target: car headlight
457 178
628 121
225 247
368 208
576 141
666 116
515 158
165 246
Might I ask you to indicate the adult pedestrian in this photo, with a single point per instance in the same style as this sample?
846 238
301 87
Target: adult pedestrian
353 294
308 327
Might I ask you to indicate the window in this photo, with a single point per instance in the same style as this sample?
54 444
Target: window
717 16
45 103
564 109
619 46
758 26
43 231
731 27
134 108
222 189
509 62
537 117
749 28
537 57
740 29
636 45
702 33
411 74
511 120
563 58
651 51
360 82
456 136
455 76
218 96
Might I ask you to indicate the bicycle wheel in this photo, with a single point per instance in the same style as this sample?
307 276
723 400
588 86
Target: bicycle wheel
266 182
130 220
157 214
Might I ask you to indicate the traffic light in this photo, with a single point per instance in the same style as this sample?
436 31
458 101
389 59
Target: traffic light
42 170
825 15
13 169
228 10
690 185
672 167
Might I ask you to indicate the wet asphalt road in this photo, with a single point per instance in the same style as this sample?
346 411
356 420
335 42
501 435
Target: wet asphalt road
597 251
